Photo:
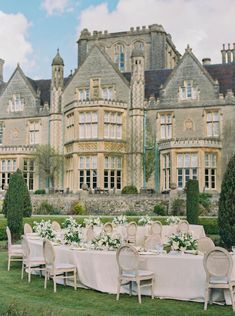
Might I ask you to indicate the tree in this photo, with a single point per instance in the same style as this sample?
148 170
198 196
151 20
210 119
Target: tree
48 163
192 201
14 203
226 216
27 207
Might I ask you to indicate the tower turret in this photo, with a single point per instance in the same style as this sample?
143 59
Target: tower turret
57 71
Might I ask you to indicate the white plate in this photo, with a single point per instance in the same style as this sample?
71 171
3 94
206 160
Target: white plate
192 252
147 253
78 248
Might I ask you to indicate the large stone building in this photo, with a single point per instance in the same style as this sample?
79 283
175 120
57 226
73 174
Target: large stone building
131 95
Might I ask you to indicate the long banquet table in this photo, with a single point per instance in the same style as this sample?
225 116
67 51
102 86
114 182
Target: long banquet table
177 276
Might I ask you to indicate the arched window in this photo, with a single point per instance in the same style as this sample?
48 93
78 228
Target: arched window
139 45
119 56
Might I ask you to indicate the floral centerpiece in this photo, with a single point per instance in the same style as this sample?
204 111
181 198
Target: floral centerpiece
44 229
70 221
92 221
72 234
120 220
105 241
182 242
144 220
172 220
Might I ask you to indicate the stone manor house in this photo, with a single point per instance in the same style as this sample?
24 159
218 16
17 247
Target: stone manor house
130 90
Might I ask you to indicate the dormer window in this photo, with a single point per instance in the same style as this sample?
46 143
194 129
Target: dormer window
84 94
16 104
107 93
188 91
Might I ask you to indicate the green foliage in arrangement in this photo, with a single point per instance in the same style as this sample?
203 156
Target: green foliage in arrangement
14 204
192 201
129 189
226 216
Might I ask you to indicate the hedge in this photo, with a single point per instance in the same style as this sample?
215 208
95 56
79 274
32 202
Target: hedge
210 223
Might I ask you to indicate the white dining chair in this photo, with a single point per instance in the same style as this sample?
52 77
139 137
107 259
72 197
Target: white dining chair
27 229
129 272
15 252
30 263
205 244
183 226
156 228
131 232
89 234
108 228
152 242
56 226
218 266
57 270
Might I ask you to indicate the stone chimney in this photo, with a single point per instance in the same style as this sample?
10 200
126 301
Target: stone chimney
1 70
206 61
228 55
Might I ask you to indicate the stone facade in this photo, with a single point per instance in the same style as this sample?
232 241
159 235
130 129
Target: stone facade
129 87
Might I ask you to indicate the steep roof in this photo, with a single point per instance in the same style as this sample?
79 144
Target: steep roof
225 74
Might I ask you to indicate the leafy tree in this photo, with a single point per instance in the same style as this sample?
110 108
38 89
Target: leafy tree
15 204
192 201
48 163
226 216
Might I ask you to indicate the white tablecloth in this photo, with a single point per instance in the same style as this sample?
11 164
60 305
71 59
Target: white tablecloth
177 276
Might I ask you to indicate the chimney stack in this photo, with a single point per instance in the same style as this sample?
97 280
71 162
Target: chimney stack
1 70
206 61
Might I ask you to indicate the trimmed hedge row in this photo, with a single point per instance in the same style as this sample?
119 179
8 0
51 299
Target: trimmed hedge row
210 223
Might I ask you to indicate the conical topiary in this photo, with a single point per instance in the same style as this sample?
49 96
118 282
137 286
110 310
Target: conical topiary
226 216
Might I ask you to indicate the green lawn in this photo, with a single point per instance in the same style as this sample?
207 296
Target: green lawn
32 299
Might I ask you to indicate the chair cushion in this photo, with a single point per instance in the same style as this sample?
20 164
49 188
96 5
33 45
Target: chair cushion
141 273
218 279
15 250
62 266
35 260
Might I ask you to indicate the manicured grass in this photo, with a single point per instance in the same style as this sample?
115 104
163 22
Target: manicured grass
33 300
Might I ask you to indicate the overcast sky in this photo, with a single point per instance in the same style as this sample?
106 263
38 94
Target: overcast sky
32 30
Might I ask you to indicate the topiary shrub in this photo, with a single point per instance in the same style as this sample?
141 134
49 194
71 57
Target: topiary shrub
130 189
159 209
226 214
40 191
192 201
78 209
204 203
14 204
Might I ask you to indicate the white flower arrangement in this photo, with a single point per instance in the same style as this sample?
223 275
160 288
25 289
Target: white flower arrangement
144 220
105 241
172 220
72 234
70 221
120 220
44 229
182 242
92 221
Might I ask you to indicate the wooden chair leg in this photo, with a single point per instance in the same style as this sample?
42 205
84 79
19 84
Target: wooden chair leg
29 274
206 298
232 297
9 263
45 281
152 289
138 291
75 279
65 280
22 270
118 289
54 281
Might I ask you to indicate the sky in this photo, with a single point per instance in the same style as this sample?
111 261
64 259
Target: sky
32 30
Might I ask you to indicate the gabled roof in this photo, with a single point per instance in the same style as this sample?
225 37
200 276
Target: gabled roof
225 74
109 60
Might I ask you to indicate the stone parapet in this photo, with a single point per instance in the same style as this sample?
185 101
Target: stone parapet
190 143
